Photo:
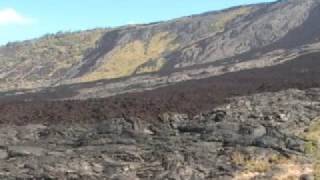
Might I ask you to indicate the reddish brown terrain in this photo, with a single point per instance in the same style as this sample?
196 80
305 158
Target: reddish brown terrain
189 97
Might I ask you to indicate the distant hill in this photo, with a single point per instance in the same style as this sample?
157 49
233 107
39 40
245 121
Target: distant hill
133 58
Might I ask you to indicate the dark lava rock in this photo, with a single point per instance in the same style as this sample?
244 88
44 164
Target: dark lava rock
220 144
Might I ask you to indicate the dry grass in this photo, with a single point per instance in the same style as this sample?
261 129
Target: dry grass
249 164
124 61
287 169
291 167
313 132
225 18
43 59
312 147
151 66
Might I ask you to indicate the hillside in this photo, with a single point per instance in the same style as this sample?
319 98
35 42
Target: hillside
230 94
193 47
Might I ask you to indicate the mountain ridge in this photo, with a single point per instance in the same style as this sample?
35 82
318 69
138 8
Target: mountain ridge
154 47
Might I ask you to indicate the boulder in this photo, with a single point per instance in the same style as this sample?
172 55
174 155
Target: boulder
25 151
3 154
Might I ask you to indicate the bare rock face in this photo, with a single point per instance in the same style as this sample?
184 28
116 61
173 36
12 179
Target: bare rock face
252 137
269 24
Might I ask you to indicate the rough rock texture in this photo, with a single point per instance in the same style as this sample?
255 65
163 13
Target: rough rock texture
252 137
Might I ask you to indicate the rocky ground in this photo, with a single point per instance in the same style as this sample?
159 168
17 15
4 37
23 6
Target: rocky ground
263 136
241 67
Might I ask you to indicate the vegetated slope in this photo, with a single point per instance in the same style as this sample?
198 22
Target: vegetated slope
189 97
164 47
43 61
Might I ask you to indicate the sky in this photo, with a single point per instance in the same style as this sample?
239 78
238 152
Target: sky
27 19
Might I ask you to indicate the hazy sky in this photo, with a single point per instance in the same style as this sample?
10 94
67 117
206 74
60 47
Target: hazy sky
25 19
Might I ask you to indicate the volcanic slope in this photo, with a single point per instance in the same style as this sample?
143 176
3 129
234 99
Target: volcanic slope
190 97
153 55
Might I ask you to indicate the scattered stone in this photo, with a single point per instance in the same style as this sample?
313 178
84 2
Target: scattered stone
307 177
25 151
3 154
